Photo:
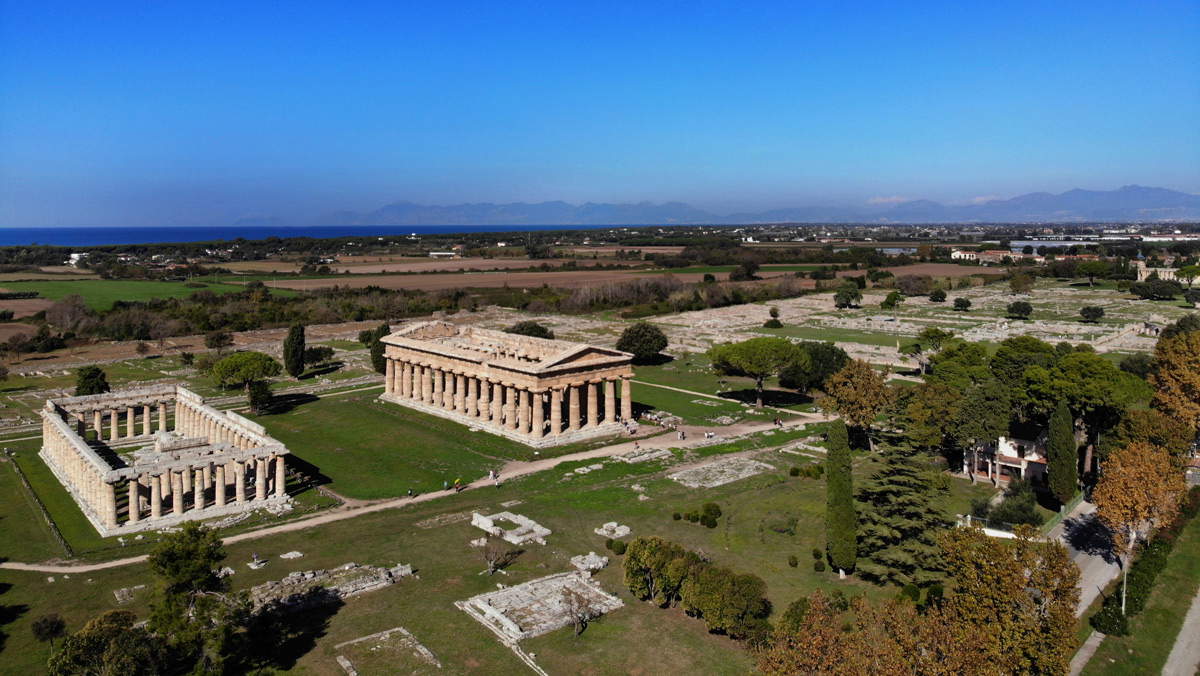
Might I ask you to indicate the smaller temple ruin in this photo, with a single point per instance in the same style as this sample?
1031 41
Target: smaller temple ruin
153 457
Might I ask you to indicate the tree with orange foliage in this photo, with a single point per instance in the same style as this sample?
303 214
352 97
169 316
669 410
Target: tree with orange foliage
1176 377
1140 488
857 394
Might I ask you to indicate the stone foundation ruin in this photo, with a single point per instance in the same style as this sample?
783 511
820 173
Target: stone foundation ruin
720 472
537 607
524 528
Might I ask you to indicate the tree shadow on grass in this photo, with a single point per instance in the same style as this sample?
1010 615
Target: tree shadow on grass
8 614
311 473
285 630
656 360
324 369
781 398
284 403
1089 535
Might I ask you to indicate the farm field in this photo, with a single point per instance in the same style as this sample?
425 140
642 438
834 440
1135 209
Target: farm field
101 294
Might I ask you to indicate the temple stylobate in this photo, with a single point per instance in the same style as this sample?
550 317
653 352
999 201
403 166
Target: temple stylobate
537 391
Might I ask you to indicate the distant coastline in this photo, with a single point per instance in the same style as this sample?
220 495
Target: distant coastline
103 236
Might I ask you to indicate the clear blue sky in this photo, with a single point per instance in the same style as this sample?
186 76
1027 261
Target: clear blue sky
184 113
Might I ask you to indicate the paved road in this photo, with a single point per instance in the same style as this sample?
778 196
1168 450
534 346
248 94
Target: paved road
1084 540
1184 659
511 470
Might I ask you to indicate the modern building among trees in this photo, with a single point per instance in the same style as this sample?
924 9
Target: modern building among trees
537 391
1008 458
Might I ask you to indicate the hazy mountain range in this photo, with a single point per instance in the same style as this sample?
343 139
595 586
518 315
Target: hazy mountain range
1129 203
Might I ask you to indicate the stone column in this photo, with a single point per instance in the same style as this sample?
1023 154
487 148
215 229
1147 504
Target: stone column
164 481
198 491
626 400
135 509
146 419
485 399
98 423
460 393
497 404
155 497
447 401
539 423
610 401
260 479
389 377
110 505
426 385
130 422
207 472
405 379
472 396
219 491
280 478
593 405
162 416
177 492
523 411
573 408
437 388
239 481
115 431
510 407
556 411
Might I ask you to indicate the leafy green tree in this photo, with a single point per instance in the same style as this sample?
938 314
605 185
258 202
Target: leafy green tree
1188 273
1092 270
931 414
1091 313
90 380
1021 283
937 296
983 415
847 295
962 304
745 272
824 360
218 340
293 351
893 299
928 342
900 521
1176 378
841 521
757 358
110 644
48 628
857 393
1063 460
376 347
959 363
644 340
242 369
530 328
1019 310
1156 289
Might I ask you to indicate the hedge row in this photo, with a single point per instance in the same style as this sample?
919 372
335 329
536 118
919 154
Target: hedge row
667 574
1151 560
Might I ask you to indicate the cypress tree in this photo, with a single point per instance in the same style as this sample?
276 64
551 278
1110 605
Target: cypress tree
293 351
841 521
900 522
378 362
1063 456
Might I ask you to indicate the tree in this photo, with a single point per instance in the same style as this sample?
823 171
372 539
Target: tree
928 342
841 521
90 380
1021 283
824 360
1176 378
1020 594
1156 289
1063 454
1192 296
1139 489
217 340
497 554
104 646
376 347
1139 364
931 413
857 393
962 304
530 328
900 518
745 272
983 415
847 295
1092 270
937 296
1153 427
244 368
644 340
579 609
141 348
757 358
893 299
1188 273
319 354
293 351
1091 313
47 628
1019 310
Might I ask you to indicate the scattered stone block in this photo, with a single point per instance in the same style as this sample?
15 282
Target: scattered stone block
344 581
125 594
612 530
537 607
524 529
291 555
589 563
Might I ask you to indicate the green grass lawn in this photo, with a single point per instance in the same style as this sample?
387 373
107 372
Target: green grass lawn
693 409
101 294
1153 632
24 533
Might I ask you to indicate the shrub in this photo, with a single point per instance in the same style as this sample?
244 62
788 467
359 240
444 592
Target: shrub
911 592
608 544
619 547
793 561
187 358
819 565
794 471
693 517
772 324
937 296
676 516
711 509
708 521
817 554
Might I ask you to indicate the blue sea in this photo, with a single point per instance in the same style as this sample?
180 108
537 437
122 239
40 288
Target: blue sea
116 235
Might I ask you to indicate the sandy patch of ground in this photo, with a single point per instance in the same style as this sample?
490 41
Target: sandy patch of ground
610 250
9 330
24 307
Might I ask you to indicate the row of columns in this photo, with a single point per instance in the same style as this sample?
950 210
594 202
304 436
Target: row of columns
174 492
191 421
82 477
509 406
113 418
